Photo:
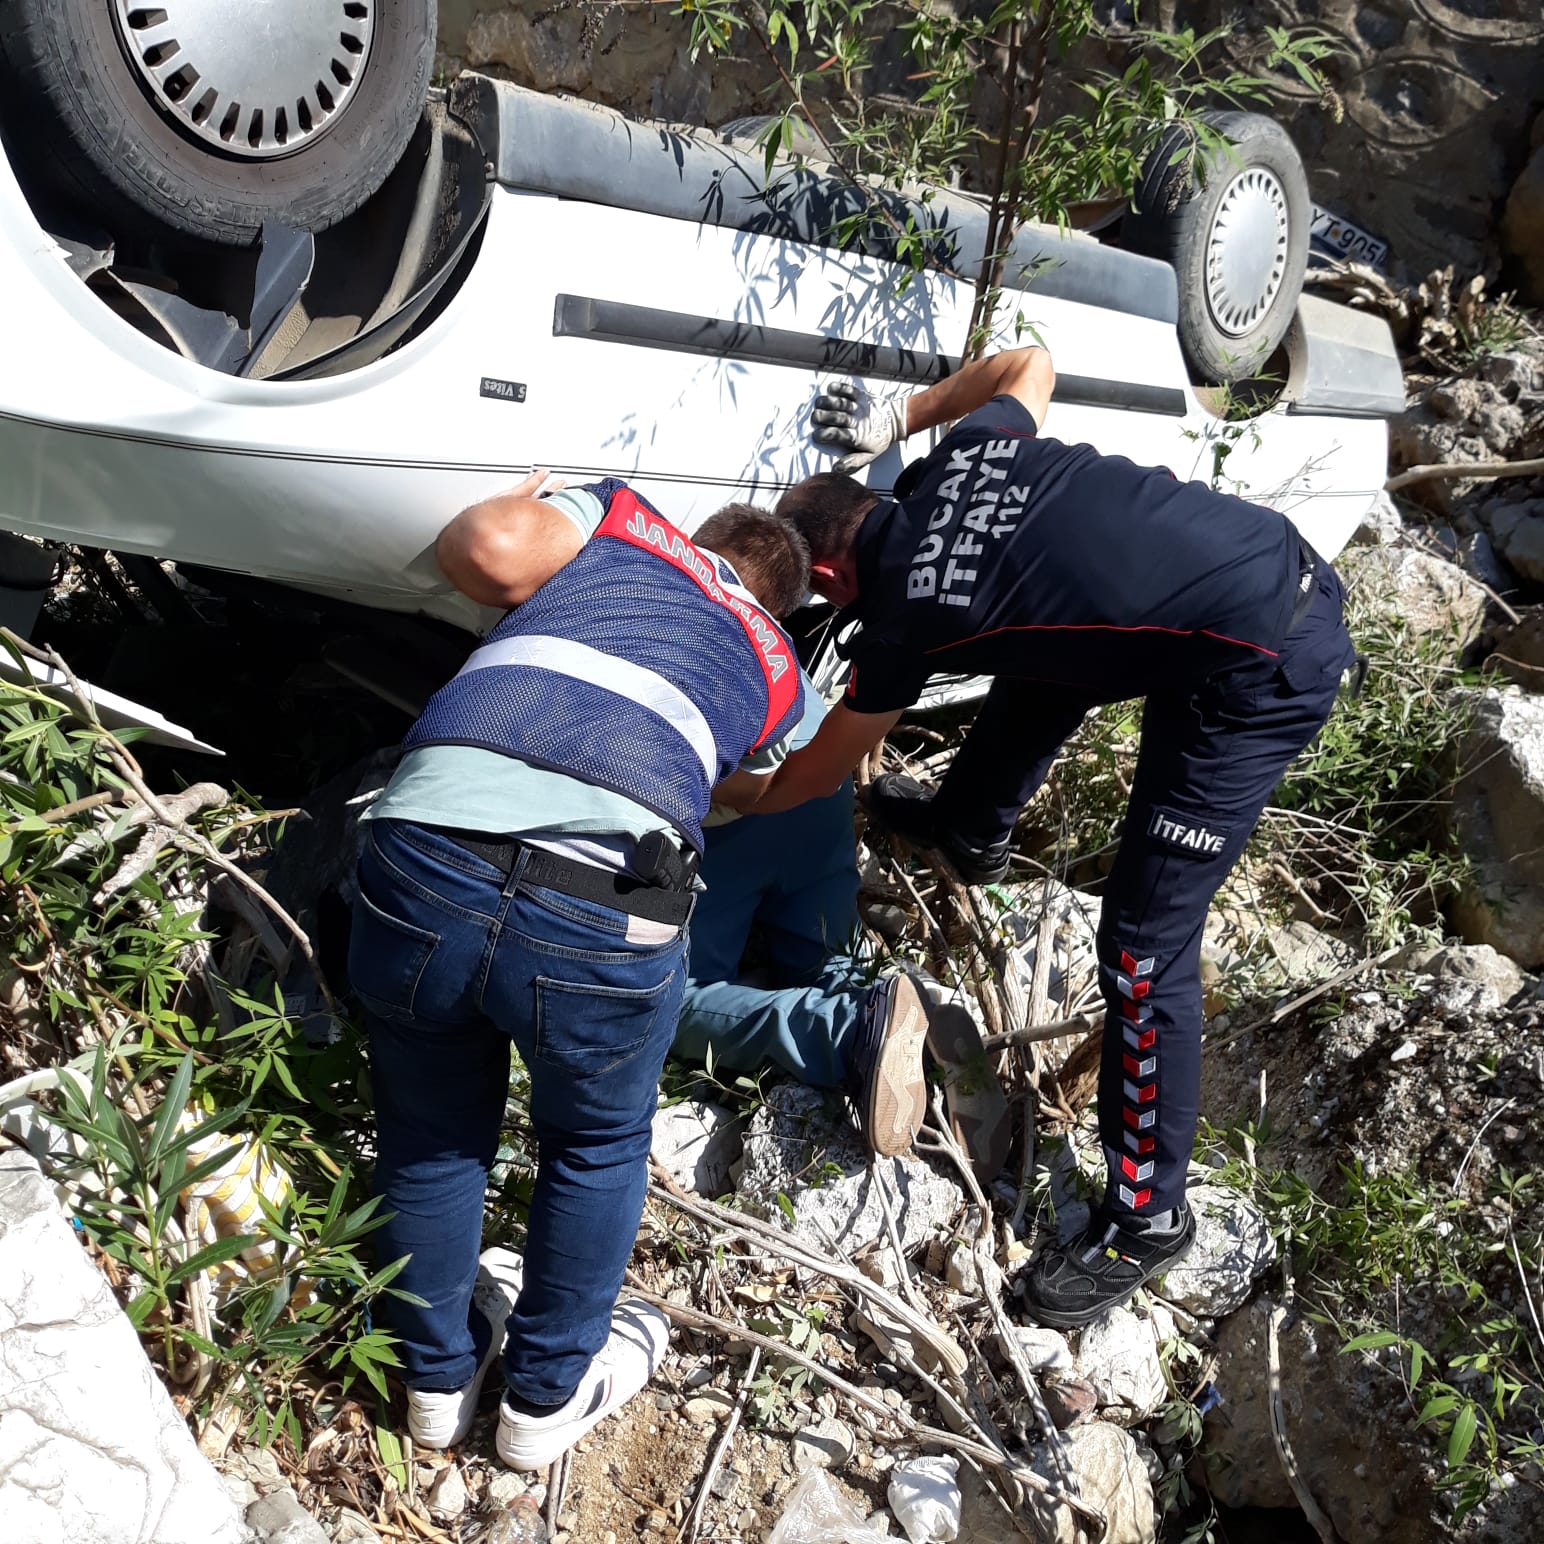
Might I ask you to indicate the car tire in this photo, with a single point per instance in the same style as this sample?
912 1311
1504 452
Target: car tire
1234 223
81 107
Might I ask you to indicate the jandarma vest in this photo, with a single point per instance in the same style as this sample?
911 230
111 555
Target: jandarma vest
635 668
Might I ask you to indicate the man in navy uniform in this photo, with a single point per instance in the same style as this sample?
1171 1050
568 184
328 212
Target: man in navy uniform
1074 579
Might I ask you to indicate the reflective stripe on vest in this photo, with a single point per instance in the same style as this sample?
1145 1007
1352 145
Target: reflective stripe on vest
631 520
635 682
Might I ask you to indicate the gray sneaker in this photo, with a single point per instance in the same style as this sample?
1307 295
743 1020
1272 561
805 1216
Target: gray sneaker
884 1066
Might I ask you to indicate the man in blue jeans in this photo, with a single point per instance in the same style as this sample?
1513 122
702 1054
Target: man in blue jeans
809 1007
526 880
794 879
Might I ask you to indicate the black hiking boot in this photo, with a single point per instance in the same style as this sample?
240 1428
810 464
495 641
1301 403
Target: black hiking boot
902 805
1073 1283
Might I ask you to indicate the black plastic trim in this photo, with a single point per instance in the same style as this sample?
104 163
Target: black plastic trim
614 321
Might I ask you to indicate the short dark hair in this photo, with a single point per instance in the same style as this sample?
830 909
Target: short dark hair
827 510
771 557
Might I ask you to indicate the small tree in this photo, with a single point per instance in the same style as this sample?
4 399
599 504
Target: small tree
1019 100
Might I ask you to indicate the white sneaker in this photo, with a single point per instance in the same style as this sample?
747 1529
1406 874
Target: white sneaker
440 1418
639 1336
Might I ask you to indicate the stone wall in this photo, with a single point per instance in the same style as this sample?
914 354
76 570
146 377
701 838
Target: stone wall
1438 95
634 58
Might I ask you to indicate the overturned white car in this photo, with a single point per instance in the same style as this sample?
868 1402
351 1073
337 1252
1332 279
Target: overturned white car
539 281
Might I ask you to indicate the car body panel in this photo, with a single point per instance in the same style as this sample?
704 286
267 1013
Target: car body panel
341 484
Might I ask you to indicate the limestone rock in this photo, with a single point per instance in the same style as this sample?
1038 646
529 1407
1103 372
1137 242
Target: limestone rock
828 1444
1118 1355
1382 525
92 1450
1522 225
1520 649
963 1271
349 1527
1110 1473
1233 1248
503 1487
710 1406
278 1518
447 1500
1515 371
1439 1118
1436 598
1518 529
1043 1350
242 1492
1358 1455
697 1143
259 1467
1499 979
1498 818
1305 955
802 1145
543 53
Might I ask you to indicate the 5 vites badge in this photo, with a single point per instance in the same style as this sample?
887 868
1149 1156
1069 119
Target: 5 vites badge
505 391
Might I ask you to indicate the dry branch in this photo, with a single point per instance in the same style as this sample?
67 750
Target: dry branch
1033 1034
694 1518
1311 1509
934 1436
1479 470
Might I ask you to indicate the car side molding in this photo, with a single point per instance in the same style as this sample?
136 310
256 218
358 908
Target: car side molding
614 321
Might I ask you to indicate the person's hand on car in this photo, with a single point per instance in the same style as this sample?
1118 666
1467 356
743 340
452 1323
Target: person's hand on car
540 483
866 426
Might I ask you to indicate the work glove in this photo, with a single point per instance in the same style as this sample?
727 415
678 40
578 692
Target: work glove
848 417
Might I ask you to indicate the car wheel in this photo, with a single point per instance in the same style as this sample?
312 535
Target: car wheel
214 116
1234 223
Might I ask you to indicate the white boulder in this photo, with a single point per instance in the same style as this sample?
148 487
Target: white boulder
92 1450
1233 1248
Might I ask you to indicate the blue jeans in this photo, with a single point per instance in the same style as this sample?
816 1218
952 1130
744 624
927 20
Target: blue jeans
454 962
793 876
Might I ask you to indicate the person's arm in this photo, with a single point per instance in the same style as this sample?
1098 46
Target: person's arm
815 772
1022 373
742 791
866 426
502 550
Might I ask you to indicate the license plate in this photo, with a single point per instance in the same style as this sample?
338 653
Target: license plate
1336 236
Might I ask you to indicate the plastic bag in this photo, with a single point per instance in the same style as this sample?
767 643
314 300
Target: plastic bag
925 1497
816 1512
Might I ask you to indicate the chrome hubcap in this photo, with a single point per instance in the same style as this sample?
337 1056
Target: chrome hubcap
256 78
1246 254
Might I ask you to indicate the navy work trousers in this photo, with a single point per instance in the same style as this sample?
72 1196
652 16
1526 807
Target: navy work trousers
1210 756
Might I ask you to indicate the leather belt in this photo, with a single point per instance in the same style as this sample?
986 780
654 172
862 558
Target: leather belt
583 881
